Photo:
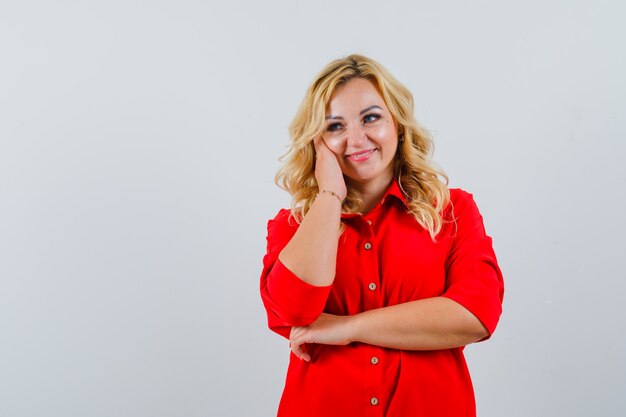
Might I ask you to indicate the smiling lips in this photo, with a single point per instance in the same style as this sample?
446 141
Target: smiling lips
361 156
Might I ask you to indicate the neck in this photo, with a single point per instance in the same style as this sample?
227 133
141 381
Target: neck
371 192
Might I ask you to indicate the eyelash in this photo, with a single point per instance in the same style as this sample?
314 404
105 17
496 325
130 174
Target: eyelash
374 115
333 127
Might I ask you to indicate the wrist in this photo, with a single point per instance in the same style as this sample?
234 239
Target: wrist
325 191
353 324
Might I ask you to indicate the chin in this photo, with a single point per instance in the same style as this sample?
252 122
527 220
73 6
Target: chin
362 178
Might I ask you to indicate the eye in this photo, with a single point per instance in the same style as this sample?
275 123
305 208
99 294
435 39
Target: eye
333 127
372 117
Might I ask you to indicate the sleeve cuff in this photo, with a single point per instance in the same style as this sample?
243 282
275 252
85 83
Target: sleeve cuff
300 303
482 297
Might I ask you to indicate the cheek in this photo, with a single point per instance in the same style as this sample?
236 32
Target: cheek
385 133
335 144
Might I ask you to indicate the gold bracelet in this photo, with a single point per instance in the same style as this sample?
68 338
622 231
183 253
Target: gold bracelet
332 193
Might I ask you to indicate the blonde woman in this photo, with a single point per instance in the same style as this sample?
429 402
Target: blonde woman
379 274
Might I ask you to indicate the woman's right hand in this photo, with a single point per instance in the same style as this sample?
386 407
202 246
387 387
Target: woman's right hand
327 170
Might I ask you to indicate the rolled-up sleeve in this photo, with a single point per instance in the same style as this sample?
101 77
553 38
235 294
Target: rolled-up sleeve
473 277
288 300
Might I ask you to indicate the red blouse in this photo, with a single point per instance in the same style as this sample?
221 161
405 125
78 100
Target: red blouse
384 258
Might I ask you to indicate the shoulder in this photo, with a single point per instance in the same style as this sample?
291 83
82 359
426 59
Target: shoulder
462 203
280 230
458 195
283 222
283 216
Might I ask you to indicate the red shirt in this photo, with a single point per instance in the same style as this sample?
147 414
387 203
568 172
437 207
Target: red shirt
384 258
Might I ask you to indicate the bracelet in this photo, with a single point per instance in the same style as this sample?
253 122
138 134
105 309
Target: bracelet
331 193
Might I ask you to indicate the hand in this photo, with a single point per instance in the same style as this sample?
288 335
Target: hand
327 170
328 329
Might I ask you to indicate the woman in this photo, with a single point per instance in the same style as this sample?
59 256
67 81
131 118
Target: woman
379 274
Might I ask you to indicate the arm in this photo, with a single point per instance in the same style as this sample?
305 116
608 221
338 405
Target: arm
433 323
312 252
428 324
299 265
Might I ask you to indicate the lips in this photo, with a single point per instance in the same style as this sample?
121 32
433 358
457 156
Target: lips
361 155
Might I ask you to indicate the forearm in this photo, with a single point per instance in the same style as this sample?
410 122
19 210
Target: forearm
312 252
428 324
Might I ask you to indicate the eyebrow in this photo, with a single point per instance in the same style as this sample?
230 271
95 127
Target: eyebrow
370 108
365 110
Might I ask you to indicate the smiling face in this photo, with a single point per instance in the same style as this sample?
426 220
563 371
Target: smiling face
361 132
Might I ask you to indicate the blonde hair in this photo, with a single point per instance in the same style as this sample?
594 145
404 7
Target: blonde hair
424 185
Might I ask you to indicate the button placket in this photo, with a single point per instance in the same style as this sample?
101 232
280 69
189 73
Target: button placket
370 280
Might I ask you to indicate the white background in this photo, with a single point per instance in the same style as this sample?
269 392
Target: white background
138 145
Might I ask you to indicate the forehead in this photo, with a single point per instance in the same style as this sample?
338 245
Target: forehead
355 95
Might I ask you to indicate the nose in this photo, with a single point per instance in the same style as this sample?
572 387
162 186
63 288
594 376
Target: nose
356 135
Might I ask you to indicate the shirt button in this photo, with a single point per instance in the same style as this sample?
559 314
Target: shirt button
367 246
372 286
374 360
374 401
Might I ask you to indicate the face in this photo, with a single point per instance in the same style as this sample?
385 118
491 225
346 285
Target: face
361 132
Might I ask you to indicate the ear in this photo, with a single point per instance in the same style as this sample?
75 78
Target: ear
400 130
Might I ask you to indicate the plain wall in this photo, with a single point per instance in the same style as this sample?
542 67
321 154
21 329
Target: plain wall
138 146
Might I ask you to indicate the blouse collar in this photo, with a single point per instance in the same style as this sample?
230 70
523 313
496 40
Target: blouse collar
394 191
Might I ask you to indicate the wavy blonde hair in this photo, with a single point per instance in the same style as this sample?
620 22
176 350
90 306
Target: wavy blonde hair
425 185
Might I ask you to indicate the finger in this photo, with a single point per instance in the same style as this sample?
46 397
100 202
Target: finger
296 332
297 339
317 143
298 350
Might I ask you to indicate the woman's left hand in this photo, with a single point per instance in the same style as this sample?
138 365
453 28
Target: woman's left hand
328 329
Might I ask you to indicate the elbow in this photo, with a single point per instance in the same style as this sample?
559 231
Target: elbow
480 333
472 330
475 331
468 335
